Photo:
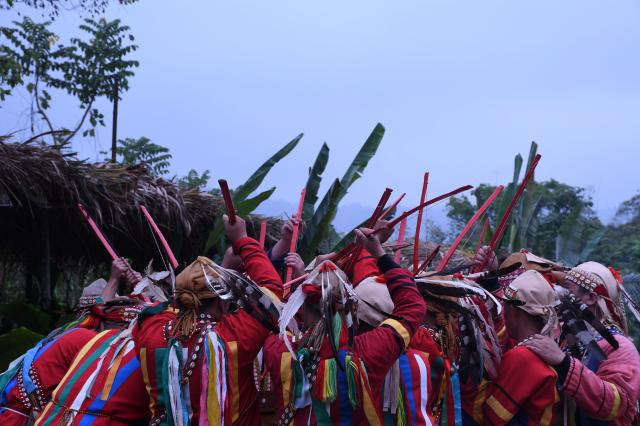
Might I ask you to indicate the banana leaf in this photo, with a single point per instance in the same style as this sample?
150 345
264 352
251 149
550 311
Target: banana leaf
509 191
246 207
519 213
318 226
313 182
350 236
363 157
317 229
254 181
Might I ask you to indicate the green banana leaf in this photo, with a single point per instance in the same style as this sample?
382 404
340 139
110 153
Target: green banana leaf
509 191
313 182
254 181
318 226
350 236
245 206
363 157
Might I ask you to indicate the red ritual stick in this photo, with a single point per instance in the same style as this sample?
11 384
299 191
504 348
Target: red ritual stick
502 226
296 230
263 232
456 191
388 211
416 240
163 241
228 201
468 227
401 231
428 260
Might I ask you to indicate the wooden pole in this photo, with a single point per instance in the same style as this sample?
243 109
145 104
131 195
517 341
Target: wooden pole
114 128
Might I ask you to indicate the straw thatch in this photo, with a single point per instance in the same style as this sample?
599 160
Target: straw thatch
41 186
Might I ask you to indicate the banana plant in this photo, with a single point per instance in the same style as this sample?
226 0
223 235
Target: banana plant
318 219
244 203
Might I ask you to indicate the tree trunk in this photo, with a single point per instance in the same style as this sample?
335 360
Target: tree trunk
45 262
114 129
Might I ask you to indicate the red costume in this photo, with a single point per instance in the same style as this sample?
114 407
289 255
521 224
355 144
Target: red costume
373 353
523 392
242 337
30 389
103 386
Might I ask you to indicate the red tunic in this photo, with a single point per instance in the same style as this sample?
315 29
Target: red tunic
525 389
243 336
378 349
46 371
103 386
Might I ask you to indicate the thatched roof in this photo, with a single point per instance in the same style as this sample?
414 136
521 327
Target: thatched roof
39 182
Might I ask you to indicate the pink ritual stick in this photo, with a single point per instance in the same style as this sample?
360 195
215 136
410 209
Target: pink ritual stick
98 233
416 240
296 230
228 201
467 228
263 232
163 241
401 231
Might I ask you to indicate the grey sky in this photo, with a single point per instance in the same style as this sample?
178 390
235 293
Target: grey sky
461 87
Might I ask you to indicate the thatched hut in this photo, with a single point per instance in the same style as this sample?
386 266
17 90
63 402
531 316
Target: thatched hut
45 236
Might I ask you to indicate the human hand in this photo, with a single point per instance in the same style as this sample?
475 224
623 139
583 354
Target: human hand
234 231
370 242
294 261
119 269
485 256
383 230
546 348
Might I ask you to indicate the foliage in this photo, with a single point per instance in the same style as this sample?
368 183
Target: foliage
53 7
86 69
15 343
193 179
23 314
245 204
553 219
620 244
318 220
142 150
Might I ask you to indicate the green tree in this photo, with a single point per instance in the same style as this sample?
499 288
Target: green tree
142 150
620 244
193 179
86 69
53 7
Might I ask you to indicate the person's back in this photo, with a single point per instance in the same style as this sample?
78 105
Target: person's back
103 386
41 370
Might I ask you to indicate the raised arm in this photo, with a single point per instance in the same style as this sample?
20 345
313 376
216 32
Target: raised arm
380 348
256 263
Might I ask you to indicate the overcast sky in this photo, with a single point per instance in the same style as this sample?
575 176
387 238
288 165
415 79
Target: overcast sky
461 87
